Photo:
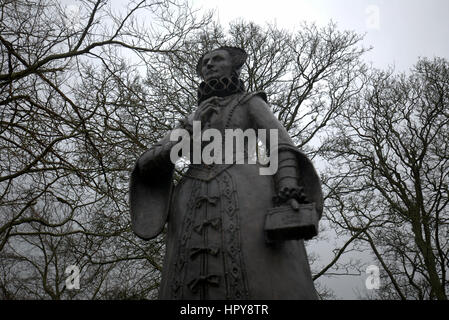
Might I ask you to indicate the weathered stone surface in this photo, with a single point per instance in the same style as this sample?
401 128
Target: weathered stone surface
232 232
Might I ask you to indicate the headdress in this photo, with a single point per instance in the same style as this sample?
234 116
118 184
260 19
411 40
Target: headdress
238 57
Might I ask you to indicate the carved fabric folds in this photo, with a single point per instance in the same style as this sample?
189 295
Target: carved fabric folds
215 240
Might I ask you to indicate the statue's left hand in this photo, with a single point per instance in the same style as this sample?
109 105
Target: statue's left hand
294 204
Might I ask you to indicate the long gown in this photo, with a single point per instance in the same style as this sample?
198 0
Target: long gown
216 247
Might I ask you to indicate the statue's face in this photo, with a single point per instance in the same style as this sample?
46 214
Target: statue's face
216 64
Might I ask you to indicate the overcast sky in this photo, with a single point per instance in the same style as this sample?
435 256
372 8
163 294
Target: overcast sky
398 30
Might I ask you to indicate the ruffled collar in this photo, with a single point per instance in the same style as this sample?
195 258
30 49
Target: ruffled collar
220 87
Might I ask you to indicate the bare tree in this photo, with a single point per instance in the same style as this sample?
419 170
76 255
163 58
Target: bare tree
389 182
70 121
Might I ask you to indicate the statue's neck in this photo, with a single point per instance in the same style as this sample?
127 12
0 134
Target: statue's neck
220 87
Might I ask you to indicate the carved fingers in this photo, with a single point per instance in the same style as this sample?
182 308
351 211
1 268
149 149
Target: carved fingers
205 114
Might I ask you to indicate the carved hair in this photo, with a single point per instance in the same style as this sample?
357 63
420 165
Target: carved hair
237 55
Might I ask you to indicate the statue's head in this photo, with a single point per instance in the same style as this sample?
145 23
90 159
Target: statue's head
221 62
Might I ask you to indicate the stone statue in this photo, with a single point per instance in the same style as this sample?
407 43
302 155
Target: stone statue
233 233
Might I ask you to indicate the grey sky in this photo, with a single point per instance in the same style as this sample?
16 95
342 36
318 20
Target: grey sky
405 30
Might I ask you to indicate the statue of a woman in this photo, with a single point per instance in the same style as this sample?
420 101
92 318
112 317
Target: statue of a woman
217 245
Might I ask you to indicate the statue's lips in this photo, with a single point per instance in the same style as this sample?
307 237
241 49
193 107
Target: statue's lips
211 72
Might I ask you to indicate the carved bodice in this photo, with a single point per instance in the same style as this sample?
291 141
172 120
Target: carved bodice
228 112
224 109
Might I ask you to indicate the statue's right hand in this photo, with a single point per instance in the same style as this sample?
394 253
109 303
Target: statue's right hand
206 112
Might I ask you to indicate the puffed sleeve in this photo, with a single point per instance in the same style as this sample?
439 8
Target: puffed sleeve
151 186
294 167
